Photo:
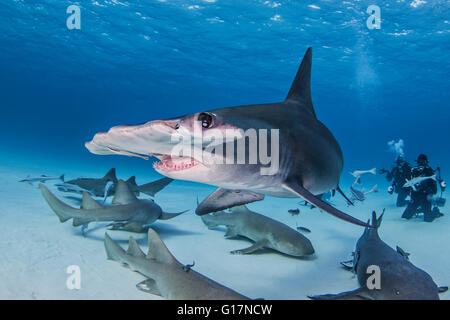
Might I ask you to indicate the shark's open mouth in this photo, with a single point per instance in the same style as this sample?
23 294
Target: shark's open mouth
169 163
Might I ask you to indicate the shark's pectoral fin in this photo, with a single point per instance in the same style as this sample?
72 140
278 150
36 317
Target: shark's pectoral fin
358 294
348 265
149 286
222 199
350 202
296 188
167 215
442 289
231 232
154 187
81 221
256 246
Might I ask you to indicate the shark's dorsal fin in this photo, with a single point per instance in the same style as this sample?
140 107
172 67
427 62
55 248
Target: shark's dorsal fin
131 181
300 91
88 202
157 250
123 194
133 249
111 175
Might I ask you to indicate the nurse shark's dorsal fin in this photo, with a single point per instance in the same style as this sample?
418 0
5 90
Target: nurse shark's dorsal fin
300 92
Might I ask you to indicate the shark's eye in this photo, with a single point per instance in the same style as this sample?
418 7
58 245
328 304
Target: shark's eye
206 119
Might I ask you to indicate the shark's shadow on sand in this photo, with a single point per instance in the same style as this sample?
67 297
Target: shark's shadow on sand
165 230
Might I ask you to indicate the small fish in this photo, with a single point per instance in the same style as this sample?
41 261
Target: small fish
357 173
188 267
357 180
303 229
294 212
418 180
43 178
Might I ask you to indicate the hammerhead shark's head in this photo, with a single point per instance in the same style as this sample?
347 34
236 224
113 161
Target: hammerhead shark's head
166 277
400 279
308 157
127 212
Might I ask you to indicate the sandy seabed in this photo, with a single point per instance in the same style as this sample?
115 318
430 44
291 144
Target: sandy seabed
37 249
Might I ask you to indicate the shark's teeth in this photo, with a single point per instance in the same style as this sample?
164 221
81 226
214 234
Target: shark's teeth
168 163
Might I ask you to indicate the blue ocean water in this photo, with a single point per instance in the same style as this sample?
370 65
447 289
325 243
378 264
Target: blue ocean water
141 60
135 61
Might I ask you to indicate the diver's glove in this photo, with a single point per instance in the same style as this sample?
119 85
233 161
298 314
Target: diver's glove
383 171
390 189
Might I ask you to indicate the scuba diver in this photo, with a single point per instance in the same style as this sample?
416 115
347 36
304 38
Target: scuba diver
399 173
423 186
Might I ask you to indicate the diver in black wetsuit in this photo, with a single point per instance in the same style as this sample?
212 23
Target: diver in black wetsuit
421 197
399 173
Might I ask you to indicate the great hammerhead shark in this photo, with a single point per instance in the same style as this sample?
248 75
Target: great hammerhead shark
309 157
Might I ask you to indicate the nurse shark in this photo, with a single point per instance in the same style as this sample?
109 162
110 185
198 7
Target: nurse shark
306 160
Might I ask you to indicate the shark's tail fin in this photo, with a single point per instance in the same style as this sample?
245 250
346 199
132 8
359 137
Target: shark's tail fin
111 175
62 177
373 171
154 187
62 210
157 250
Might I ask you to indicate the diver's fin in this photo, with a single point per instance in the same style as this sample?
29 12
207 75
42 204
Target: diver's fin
222 199
300 91
88 202
358 294
350 202
123 194
61 177
297 189
111 175
154 187
254 247
149 286
157 250
167 215
133 249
